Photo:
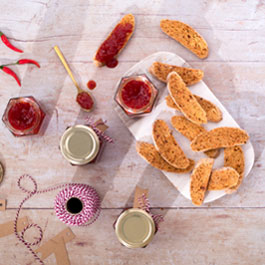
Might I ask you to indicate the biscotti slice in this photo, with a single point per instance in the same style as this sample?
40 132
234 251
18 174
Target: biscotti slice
234 157
167 146
149 153
111 47
186 36
223 178
189 76
191 130
218 138
213 113
199 180
184 99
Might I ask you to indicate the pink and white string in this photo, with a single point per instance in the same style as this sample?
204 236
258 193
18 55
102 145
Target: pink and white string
71 186
90 122
145 205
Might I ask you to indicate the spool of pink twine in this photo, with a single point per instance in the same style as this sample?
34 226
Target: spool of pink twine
89 206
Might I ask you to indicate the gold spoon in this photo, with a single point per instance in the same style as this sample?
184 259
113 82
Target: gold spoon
79 90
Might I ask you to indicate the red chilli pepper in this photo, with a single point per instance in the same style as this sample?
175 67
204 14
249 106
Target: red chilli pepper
28 61
10 72
8 44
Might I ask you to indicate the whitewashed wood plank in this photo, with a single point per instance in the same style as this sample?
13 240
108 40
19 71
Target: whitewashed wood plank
188 236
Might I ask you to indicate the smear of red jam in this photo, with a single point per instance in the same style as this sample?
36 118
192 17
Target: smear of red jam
22 116
85 100
136 94
113 44
91 84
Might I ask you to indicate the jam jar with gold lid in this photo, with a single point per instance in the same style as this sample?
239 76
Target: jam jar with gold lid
136 95
82 144
135 228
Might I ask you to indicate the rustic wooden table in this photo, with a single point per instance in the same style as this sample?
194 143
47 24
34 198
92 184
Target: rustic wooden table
230 230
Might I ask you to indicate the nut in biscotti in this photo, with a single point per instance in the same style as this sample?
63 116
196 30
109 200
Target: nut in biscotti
218 138
167 146
184 99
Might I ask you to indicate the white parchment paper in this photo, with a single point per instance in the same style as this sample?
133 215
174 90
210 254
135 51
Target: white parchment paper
141 127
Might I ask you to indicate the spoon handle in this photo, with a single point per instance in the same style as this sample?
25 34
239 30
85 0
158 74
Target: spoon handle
66 66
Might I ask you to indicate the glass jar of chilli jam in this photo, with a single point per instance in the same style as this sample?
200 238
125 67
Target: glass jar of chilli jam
80 145
136 95
23 116
135 228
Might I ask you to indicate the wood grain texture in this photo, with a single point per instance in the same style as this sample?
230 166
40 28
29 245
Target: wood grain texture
234 70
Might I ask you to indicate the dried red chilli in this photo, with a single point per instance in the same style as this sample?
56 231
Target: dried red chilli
28 61
10 72
7 43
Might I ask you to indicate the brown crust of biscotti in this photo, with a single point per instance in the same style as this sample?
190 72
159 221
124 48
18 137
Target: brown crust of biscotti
213 113
223 178
186 36
219 138
234 157
129 18
191 130
184 99
199 180
167 146
149 153
189 76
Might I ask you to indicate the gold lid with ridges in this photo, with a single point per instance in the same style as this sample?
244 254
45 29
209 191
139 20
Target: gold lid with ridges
135 228
79 144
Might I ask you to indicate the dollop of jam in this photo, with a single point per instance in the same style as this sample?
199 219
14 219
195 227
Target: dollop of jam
91 84
22 116
136 94
113 44
85 100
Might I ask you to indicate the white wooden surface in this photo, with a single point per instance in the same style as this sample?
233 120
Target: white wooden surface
227 231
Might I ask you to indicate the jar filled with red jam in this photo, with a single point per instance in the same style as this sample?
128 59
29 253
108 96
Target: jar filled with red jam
23 116
136 95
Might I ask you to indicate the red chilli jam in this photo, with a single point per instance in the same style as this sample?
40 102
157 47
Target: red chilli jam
23 116
85 101
113 44
136 95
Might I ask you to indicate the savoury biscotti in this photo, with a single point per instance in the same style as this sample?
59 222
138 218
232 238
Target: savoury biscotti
218 138
199 180
234 157
127 19
184 99
149 153
223 178
186 36
167 146
189 76
213 113
191 130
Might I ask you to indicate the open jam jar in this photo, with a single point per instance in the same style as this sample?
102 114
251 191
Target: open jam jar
136 95
23 116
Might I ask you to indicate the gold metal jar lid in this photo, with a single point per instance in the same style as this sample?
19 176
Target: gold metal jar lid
79 144
135 228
